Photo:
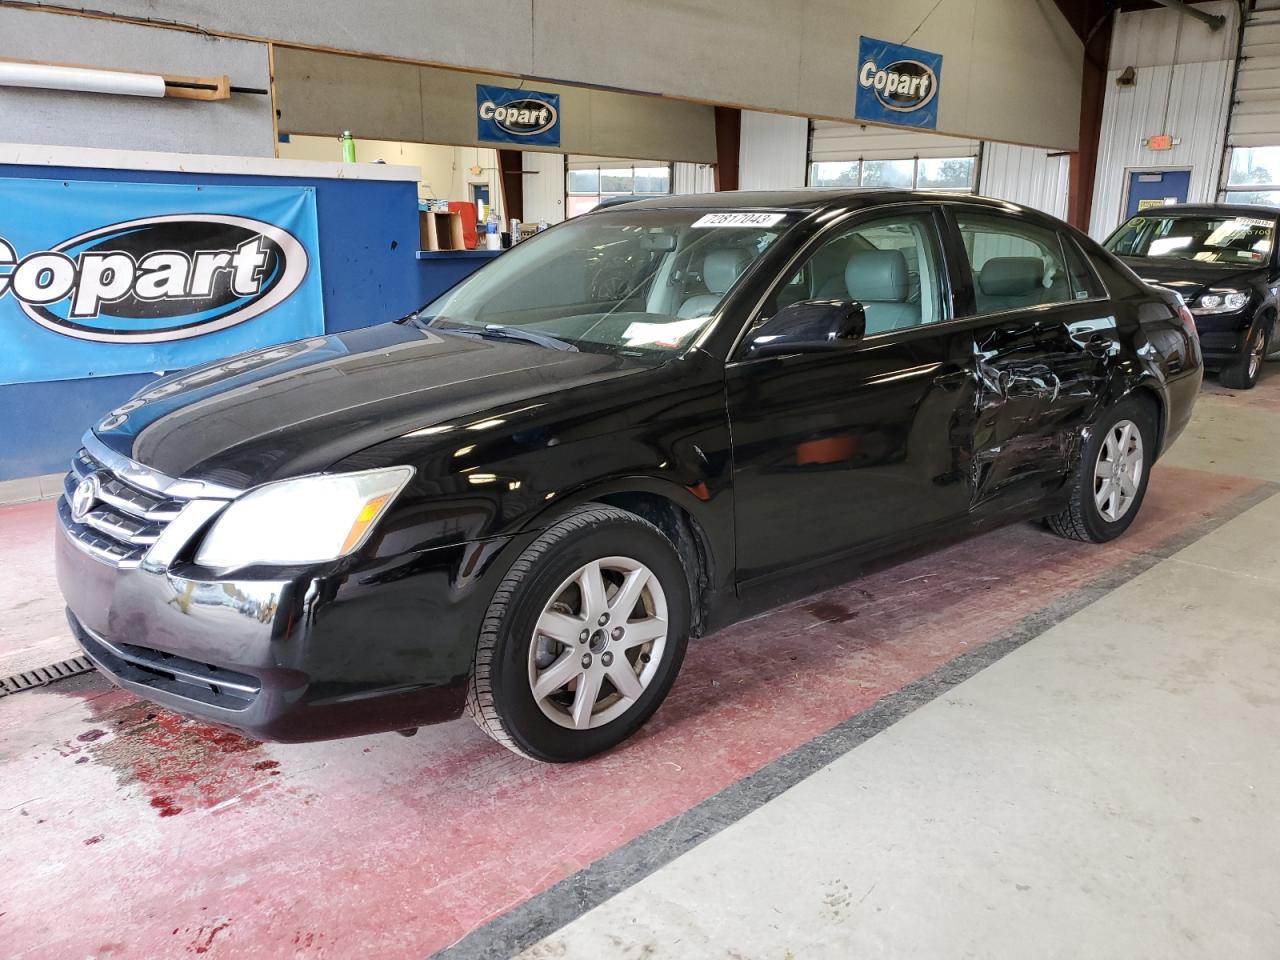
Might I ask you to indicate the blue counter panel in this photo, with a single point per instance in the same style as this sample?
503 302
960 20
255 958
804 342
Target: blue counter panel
441 269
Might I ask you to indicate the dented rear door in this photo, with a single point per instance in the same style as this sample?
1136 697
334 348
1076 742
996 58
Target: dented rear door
1039 377
1040 370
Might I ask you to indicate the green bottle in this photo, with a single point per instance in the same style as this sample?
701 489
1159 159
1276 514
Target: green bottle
348 147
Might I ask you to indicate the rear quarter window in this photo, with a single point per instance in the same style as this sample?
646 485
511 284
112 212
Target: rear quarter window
1085 284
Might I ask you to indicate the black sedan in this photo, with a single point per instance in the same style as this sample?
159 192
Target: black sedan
524 499
1222 259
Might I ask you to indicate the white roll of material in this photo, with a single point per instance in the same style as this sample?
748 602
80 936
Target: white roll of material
50 77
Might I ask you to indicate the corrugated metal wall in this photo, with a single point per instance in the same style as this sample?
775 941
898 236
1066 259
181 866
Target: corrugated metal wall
1182 86
772 149
693 177
1255 120
1026 175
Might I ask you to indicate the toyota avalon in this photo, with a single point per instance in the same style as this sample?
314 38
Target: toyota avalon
523 500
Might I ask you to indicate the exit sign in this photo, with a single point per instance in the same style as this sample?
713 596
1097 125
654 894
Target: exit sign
1161 141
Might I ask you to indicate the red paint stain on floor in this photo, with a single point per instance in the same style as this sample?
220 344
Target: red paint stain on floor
396 848
181 764
203 940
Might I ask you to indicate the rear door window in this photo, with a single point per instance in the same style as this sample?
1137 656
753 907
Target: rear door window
1015 264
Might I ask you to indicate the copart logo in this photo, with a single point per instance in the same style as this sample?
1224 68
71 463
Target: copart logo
903 85
156 279
520 118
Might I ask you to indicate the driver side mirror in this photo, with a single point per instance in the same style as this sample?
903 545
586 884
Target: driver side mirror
810 326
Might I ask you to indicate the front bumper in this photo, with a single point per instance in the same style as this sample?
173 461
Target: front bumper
1222 337
377 646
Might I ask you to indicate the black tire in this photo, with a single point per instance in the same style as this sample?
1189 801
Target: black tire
500 699
1242 373
1082 520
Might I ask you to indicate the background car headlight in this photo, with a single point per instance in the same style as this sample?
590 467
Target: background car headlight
1220 301
308 520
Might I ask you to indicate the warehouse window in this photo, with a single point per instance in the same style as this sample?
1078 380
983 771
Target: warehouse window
929 173
1254 176
587 182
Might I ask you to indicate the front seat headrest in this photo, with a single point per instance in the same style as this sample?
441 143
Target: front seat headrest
720 268
877 275
1011 276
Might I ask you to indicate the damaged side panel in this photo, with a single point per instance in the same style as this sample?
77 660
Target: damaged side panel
1040 379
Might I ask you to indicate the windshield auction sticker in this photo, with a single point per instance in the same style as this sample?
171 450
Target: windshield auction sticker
738 219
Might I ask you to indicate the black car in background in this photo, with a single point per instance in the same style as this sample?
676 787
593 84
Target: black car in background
1222 259
635 427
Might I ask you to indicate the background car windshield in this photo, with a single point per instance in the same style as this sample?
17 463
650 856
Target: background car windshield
627 281
1212 239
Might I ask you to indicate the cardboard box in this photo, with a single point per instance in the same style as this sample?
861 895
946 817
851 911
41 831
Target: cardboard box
440 231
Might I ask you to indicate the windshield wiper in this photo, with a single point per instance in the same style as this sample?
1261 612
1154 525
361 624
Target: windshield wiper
528 336
417 319
494 331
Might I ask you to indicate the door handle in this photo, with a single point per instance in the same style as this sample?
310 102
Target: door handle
953 378
1099 345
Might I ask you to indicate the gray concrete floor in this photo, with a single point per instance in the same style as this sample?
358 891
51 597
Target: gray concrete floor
1109 789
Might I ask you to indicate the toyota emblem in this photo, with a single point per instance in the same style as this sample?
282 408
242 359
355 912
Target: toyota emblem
84 497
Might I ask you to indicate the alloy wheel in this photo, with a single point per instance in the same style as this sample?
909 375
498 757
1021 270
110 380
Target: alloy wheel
1257 347
598 643
1118 472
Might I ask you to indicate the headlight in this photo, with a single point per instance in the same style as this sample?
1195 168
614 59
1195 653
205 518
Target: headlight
308 520
1220 301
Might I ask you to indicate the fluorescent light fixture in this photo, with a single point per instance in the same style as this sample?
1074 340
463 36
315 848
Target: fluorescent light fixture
44 76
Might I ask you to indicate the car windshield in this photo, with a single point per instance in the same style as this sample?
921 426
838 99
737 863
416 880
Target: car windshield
638 282
1210 239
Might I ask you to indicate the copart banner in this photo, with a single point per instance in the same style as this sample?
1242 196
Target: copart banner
104 278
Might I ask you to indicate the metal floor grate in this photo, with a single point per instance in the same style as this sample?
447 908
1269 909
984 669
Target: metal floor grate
44 675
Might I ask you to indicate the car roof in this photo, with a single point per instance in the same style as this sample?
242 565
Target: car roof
1211 209
814 198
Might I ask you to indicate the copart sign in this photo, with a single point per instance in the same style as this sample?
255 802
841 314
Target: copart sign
102 278
504 115
897 84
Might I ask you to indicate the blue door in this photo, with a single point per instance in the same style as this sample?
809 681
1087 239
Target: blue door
1155 188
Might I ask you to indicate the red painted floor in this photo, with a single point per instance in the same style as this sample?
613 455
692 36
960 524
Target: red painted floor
130 832
29 600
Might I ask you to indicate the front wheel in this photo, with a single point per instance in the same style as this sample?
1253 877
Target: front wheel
1112 477
1243 373
583 638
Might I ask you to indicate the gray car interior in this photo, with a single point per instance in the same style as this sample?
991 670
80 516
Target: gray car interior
1010 283
720 270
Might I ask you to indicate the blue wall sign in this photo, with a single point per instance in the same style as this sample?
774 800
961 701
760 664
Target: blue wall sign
526 117
104 278
897 84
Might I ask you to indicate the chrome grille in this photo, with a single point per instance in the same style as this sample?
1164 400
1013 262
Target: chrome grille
125 520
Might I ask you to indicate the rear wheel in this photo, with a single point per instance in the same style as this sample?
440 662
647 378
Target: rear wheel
1243 373
583 638
1111 481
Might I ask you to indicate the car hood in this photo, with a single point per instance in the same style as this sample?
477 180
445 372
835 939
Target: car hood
299 407
1188 277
